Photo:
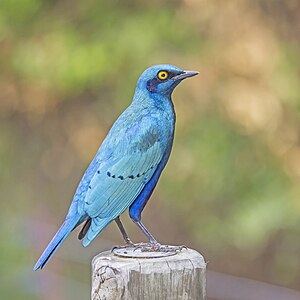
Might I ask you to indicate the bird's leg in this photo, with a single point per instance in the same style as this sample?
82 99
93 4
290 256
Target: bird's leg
154 243
135 211
124 234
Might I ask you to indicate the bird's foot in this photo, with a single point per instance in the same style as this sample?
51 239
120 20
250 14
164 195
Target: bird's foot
129 244
147 250
156 247
142 247
147 247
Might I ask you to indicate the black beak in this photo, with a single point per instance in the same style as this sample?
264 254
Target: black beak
185 74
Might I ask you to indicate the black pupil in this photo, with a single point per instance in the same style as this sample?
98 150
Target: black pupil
162 75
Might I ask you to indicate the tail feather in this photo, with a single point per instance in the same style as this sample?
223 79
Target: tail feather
65 229
96 226
84 229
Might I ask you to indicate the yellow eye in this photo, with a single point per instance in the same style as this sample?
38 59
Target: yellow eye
162 75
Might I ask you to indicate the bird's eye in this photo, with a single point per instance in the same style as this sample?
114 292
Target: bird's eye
162 75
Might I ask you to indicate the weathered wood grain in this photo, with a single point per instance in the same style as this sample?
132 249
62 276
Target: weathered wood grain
181 276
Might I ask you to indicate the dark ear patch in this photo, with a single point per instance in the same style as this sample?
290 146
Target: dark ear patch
152 85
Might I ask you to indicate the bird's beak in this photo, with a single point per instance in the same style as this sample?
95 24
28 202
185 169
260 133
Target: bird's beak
185 74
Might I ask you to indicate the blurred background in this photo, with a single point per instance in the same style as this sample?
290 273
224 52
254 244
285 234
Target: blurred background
231 189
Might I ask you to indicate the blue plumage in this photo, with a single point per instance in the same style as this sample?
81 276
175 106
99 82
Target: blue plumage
129 162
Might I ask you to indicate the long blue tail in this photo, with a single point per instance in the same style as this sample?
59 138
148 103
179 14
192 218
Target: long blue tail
69 224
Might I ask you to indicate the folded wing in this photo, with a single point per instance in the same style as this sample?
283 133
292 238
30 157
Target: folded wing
117 184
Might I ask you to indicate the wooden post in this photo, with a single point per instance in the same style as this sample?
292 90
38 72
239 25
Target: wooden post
180 276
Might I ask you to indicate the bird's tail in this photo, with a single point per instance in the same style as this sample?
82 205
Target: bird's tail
95 227
69 224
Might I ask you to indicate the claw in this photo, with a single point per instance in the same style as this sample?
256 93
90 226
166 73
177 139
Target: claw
122 247
129 244
114 248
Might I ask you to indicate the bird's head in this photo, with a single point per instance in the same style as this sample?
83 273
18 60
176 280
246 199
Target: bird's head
162 79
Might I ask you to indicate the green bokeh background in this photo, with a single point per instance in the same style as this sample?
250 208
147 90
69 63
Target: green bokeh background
231 188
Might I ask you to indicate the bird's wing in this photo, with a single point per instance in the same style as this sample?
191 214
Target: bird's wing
116 184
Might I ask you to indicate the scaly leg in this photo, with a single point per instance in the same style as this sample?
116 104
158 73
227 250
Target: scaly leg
152 240
124 234
154 244
135 212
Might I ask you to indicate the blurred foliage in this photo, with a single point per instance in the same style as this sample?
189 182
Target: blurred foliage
231 189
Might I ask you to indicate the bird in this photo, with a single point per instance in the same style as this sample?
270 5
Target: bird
128 163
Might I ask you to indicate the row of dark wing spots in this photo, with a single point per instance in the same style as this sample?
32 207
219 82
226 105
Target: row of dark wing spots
130 177
122 177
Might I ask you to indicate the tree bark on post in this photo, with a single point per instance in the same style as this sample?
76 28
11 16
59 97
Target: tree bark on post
180 276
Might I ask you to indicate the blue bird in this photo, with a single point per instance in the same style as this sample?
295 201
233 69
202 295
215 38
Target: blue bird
128 164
